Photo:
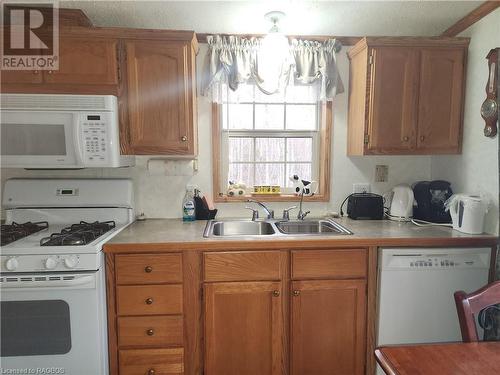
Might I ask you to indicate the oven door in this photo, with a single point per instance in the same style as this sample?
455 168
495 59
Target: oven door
54 322
40 139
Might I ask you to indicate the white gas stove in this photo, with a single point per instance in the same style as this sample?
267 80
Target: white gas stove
52 279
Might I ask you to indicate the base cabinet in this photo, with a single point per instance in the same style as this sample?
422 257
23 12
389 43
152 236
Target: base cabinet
328 327
255 312
243 328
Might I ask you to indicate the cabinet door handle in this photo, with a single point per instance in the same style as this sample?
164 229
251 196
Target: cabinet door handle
150 332
406 138
149 301
184 138
50 72
296 293
148 269
422 138
276 293
151 371
35 72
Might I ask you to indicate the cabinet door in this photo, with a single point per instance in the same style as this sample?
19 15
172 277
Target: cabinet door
160 98
244 328
393 95
21 76
440 100
85 62
328 327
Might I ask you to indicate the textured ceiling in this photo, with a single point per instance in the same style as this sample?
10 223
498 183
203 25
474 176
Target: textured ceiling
303 17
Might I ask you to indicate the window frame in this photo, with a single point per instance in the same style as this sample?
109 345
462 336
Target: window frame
324 160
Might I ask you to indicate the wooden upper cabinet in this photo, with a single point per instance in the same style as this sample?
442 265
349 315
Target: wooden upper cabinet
392 121
328 327
161 97
85 62
440 100
406 95
244 328
21 76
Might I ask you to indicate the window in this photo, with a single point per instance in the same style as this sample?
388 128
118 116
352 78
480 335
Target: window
265 139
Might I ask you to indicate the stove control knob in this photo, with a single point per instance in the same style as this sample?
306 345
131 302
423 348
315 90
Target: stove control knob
11 264
71 261
51 262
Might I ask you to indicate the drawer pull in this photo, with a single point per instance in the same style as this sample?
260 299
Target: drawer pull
406 138
148 269
276 293
422 138
151 371
150 332
184 138
149 301
296 293
50 72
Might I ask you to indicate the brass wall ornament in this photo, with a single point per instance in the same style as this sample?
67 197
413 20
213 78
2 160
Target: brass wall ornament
490 106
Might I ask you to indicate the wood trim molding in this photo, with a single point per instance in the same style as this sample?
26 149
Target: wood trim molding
471 18
324 163
345 40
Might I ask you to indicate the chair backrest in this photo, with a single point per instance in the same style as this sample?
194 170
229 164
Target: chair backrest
468 305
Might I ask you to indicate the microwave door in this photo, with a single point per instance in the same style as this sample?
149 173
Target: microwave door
39 140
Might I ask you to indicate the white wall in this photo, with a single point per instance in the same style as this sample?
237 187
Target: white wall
160 196
476 169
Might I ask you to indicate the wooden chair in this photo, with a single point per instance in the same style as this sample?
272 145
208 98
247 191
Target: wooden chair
470 304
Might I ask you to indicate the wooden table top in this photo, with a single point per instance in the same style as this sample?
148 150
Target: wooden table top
481 358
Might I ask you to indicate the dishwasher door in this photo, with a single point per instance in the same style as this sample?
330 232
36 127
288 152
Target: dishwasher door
416 286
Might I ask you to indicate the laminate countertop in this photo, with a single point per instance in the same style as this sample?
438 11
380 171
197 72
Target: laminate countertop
175 235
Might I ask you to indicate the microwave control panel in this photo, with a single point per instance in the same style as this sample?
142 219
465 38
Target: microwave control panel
95 138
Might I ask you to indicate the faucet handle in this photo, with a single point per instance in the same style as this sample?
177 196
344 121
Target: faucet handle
255 213
286 212
302 215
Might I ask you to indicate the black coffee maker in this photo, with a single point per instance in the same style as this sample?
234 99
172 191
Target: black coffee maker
429 199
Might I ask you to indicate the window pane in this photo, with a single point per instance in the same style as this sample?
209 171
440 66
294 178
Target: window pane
303 170
241 173
260 97
240 116
301 117
302 94
299 149
240 149
270 149
244 93
269 174
269 116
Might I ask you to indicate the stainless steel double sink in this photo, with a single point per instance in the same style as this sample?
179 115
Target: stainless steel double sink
245 228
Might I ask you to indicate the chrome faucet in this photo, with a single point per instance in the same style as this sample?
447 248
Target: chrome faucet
302 215
270 213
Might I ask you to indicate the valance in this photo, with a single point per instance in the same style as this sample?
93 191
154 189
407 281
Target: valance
271 65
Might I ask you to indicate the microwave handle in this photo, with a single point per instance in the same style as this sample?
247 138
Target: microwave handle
77 140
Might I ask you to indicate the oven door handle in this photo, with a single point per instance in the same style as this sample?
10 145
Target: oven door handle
16 282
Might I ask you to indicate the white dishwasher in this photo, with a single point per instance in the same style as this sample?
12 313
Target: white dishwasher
416 286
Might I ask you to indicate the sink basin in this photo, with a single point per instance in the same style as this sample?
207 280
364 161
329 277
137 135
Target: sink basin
311 227
242 228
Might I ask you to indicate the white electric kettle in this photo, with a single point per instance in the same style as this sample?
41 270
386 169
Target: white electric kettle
467 212
401 203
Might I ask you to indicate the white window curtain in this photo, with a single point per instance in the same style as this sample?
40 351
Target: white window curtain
232 60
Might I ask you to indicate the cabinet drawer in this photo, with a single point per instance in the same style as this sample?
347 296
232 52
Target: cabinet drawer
151 361
150 331
242 266
148 269
318 264
150 299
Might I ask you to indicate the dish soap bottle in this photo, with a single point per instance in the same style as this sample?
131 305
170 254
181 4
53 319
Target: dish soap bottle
188 207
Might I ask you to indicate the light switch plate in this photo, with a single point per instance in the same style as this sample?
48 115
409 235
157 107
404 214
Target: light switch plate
361 187
381 173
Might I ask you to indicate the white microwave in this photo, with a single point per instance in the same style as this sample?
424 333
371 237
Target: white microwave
44 131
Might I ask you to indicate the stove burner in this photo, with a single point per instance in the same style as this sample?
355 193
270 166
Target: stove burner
13 232
78 234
